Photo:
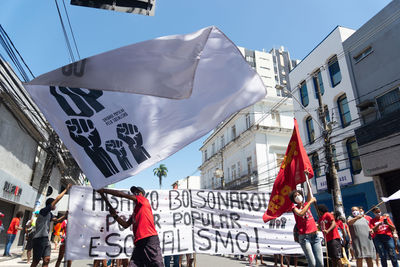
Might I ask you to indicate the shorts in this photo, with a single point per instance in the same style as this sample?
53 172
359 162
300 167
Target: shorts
41 248
57 239
147 252
334 249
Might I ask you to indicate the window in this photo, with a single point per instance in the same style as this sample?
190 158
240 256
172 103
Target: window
233 132
239 169
279 92
354 156
233 171
389 102
229 175
222 141
327 117
344 111
310 130
315 164
248 121
304 94
213 149
205 155
249 165
276 119
363 54
317 81
334 71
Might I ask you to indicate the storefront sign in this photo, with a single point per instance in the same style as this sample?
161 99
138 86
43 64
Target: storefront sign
16 191
12 189
345 178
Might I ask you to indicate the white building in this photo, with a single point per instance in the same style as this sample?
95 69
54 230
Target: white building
326 66
249 146
190 182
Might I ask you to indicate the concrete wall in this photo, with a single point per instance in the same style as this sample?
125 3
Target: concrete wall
17 148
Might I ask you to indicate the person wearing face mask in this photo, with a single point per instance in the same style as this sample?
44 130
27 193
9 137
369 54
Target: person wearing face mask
361 209
309 240
361 239
383 229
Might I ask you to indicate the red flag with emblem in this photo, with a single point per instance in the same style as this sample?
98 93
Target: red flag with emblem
291 173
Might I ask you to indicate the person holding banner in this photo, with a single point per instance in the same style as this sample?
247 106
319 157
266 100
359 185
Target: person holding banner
41 242
307 228
147 251
63 236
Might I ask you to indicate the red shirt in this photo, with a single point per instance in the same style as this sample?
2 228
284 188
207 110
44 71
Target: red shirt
305 224
382 229
368 218
325 222
143 220
12 229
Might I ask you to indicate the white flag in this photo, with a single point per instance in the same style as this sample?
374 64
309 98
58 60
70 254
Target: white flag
392 197
183 86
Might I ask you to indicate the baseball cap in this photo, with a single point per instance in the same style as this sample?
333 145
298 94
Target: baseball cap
137 188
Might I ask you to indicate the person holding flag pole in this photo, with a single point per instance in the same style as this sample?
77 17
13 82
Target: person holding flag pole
295 169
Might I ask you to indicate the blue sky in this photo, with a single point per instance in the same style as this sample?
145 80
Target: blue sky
35 29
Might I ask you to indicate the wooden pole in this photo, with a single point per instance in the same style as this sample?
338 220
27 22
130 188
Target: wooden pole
377 205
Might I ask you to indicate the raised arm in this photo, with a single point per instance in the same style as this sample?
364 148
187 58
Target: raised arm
118 193
59 197
303 211
113 212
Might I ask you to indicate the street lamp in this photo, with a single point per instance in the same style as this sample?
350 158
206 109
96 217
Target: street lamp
220 174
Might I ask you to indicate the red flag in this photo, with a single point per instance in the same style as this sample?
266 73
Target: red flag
294 164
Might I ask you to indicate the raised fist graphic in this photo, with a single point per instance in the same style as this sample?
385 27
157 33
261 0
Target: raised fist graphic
130 134
117 148
83 132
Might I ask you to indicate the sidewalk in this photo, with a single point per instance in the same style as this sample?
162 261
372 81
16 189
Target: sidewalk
16 260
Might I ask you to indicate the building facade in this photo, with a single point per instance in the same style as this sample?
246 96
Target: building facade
325 67
190 182
30 168
373 56
244 152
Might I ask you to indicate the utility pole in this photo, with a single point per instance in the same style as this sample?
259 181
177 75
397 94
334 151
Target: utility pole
333 177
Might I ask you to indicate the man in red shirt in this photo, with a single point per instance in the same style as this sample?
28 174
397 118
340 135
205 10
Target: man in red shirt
329 228
383 228
12 232
147 251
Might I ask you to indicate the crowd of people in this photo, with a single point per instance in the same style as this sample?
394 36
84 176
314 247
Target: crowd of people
357 237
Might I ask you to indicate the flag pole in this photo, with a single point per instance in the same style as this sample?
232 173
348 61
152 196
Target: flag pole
377 205
318 214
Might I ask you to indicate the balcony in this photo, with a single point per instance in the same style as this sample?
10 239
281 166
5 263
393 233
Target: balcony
247 180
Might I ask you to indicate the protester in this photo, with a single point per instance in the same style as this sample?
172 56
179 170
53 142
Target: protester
361 210
63 237
12 232
331 233
57 237
41 242
276 258
361 237
1 222
147 251
383 229
307 228
29 233
344 237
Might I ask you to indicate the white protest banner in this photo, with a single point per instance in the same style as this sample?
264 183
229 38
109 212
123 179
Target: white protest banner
151 99
201 221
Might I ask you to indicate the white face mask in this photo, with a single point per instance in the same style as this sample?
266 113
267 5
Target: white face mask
355 213
378 214
298 199
361 212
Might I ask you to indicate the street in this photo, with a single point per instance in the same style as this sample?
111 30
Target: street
203 260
